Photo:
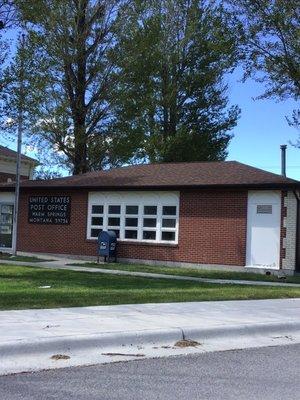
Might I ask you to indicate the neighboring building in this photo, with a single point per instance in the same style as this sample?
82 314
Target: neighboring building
220 214
8 161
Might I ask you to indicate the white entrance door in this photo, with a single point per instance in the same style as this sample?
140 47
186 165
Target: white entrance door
263 229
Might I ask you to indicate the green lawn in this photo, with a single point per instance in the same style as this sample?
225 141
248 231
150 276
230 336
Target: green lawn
192 272
19 289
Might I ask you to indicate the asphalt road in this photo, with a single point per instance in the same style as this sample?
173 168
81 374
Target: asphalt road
261 374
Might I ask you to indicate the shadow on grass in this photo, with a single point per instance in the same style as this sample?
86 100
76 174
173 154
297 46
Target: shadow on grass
199 273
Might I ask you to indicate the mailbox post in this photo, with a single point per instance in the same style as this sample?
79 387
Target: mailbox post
107 245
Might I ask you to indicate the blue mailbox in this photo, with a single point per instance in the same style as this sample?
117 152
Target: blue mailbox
107 245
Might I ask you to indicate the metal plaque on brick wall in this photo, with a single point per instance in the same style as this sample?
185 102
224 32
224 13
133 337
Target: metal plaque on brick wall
49 210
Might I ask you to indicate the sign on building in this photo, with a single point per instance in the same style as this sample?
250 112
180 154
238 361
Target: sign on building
49 210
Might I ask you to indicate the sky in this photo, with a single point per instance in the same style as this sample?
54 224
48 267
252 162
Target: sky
260 131
262 128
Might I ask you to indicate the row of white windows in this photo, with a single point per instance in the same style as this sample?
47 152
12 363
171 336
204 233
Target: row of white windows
150 223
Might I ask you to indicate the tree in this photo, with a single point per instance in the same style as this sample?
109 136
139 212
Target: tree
7 13
44 173
7 19
68 76
171 99
270 39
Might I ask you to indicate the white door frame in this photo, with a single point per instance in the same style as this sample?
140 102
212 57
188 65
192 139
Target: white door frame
264 197
7 198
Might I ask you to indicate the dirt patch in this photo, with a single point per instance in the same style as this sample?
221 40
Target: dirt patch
187 343
123 354
60 357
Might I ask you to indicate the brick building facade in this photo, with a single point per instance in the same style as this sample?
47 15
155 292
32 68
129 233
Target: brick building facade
213 214
216 215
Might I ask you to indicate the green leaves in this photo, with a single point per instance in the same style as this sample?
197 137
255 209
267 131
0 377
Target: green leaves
270 47
271 44
125 81
69 75
173 56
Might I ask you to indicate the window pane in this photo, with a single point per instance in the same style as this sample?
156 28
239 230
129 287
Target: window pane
149 235
6 229
117 232
5 240
150 210
6 219
131 222
114 209
7 209
130 234
97 209
264 209
95 232
169 210
168 223
97 221
150 222
168 236
113 221
132 209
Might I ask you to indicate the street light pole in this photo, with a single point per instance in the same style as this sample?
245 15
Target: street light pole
19 148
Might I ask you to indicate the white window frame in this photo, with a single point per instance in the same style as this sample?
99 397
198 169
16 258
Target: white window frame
11 225
131 228
140 199
96 215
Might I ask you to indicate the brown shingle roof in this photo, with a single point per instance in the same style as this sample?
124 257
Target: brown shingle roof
6 152
170 176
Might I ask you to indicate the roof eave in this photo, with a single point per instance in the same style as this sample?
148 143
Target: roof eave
267 186
26 160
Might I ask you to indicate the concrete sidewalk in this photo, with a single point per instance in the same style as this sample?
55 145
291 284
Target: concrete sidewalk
65 263
77 336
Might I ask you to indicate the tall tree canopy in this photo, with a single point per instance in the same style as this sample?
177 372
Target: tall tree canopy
271 45
68 76
7 19
114 81
171 96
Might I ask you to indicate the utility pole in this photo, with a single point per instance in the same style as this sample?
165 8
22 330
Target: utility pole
19 149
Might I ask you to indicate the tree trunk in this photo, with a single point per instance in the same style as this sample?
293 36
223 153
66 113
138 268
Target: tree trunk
80 150
173 102
80 135
165 105
173 113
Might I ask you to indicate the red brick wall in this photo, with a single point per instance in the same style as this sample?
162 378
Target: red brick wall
4 177
212 230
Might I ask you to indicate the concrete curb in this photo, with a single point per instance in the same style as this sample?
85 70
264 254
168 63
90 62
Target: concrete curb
49 265
243 330
109 339
145 338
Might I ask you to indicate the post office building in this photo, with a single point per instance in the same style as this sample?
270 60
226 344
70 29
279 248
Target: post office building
212 214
